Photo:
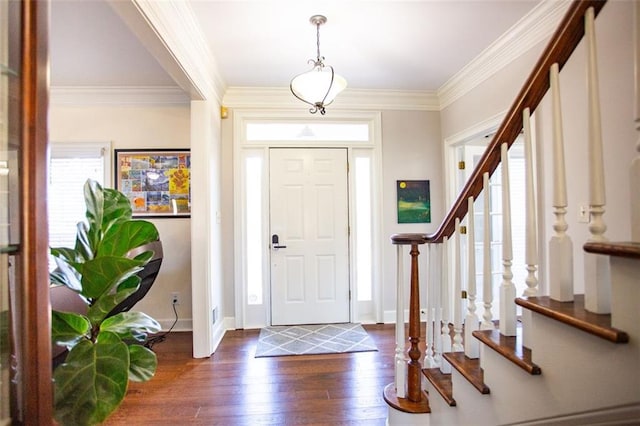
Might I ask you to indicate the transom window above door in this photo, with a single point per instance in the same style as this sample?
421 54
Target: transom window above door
301 131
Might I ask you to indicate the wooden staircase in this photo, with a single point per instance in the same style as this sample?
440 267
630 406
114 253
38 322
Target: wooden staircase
568 359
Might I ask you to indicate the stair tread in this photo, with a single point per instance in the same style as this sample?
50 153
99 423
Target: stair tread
469 368
403 404
619 249
442 383
575 315
510 347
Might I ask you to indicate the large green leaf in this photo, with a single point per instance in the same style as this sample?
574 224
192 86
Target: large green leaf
94 200
92 382
132 282
66 254
117 208
105 304
124 236
142 363
83 245
124 323
66 275
102 274
112 380
68 328
75 397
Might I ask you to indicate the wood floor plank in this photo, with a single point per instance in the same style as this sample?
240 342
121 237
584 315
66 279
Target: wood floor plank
232 387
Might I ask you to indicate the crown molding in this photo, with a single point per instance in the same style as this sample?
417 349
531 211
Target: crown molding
118 95
533 28
352 99
175 23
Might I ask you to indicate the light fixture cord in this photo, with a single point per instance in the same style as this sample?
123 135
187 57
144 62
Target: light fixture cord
318 41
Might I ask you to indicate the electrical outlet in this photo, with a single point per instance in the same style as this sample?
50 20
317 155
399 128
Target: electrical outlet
175 298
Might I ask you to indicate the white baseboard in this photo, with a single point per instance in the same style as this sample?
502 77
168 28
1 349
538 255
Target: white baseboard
229 323
218 331
182 324
217 335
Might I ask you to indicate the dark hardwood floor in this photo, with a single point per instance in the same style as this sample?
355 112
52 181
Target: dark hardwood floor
234 388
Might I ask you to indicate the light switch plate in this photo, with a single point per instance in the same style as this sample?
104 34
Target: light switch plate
583 213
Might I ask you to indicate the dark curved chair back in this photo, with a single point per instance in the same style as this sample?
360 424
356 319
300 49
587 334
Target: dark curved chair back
147 275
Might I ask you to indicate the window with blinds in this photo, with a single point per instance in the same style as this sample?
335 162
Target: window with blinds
70 165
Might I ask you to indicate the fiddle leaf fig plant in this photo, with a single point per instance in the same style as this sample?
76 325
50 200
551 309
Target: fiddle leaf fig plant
105 352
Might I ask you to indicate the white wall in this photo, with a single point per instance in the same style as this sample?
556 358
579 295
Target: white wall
142 127
411 150
613 29
206 265
228 216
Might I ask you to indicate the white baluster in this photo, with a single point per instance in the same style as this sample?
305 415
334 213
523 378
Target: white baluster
401 359
471 322
507 288
487 285
597 270
457 292
531 228
635 165
429 361
437 304
560 244
531 248
445 337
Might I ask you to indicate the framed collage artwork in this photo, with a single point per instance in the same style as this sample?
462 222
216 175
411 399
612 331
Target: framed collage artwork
157 182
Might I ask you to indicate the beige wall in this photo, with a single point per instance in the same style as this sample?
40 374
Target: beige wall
411 150
613 29
142 127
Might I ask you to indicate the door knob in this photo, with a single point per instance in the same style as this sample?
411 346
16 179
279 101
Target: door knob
275 242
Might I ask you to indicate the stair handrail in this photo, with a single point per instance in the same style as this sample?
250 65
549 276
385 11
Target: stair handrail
560 47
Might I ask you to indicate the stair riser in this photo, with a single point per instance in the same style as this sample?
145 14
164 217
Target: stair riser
625 296
584 371
515 395
477 409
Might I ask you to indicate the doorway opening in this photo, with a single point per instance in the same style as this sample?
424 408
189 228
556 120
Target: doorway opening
356 138
463 151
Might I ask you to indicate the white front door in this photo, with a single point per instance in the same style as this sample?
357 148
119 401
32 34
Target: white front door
309 236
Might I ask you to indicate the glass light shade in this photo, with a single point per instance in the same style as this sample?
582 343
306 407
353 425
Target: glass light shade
315 88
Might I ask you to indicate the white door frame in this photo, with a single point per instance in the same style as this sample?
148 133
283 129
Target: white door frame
489 127
254 316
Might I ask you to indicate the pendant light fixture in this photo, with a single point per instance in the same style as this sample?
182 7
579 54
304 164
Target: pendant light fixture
320 85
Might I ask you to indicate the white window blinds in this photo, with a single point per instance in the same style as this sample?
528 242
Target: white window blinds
71 164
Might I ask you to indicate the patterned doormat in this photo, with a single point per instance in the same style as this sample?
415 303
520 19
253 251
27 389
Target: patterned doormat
313 339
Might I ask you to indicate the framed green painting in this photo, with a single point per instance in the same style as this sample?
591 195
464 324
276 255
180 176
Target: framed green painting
414 201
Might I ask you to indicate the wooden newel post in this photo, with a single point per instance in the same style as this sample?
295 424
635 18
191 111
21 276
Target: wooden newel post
414 392
411 399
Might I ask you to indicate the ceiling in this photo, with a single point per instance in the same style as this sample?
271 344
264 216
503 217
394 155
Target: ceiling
374 44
